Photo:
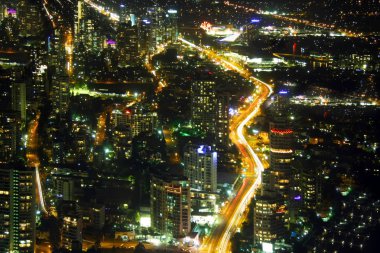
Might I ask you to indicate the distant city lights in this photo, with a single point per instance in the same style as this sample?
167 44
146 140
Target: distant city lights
111 42
11 11
255 20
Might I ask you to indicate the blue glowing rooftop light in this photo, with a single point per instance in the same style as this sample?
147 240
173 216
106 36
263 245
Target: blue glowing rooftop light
203 149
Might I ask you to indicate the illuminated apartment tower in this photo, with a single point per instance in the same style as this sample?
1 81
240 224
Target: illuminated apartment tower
200 167
127 43
137 120
171 25
311 187
56 49
84 28
144 27
271 212
222 122
281 147
19 99
152 28
60 92
200 163
10 135
17 208
209 111
203 105
29 15
268 219
72 225
170 205
79 20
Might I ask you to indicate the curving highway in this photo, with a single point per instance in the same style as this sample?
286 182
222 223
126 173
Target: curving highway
230 219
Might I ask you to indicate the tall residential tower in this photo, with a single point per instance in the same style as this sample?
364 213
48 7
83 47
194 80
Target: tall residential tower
17 208
170 204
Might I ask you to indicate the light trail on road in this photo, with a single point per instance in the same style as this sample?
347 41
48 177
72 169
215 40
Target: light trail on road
220 236
40 193
33 159
102 10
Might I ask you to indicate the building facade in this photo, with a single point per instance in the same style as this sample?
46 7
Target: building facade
137 121
10 135
200 163
17 208
203 105
170 205
281 139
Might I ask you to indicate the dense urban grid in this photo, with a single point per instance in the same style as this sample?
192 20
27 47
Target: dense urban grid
189 126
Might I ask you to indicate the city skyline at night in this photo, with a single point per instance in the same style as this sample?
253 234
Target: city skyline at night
199 126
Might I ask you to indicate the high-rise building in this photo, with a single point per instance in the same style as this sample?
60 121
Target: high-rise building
144 27
127 43
200 167
10 135
171 24
79 16
136 120
17 208
81 141
200 163
123 12
268 224
156 15
85 31
311 188
97 216
281 139
72 226
203 105
3 9
71 230
156 27
209 111
64 187
56 50
281 147
222 122
122 141
269 211
39 87
60 93
170 204
19 99
29 15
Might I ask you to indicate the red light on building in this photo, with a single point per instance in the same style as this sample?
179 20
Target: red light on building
281 131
